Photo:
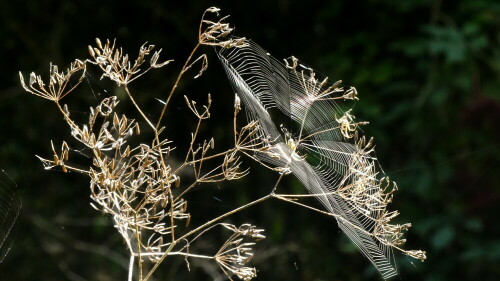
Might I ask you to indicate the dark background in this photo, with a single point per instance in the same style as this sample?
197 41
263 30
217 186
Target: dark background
428 77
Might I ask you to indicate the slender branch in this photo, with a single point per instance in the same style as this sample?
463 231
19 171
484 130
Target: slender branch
183 70
286 199
183 165
339 217
195 134
180 254
139 109
212 221
131 268
139 245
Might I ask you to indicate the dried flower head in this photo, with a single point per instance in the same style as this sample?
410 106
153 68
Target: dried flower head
60 83
117 66
236 252
217 33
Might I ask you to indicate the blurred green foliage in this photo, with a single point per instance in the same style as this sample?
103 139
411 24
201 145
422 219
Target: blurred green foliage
428 74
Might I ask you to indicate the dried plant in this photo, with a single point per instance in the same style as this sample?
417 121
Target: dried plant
135 179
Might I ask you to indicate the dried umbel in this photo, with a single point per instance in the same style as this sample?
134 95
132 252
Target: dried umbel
237 251
217 33
117 66
59 82
134 178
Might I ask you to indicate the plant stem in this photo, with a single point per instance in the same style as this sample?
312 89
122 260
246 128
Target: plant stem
212 221
139 109
131 268
175 85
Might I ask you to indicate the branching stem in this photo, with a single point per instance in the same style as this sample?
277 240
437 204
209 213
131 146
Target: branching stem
210 222
183 70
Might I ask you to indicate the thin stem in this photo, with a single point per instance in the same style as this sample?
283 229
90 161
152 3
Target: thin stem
190 255
175 85
66 116
339 217
212 221
139 109
172 223
131 268
193 139
203 159
139 244
286 199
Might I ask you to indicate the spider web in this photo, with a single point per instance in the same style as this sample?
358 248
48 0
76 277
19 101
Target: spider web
329 164
10 206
